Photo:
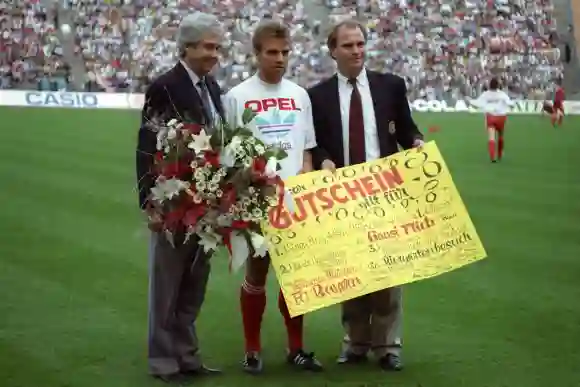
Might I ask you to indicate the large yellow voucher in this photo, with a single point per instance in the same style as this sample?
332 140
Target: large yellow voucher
369 227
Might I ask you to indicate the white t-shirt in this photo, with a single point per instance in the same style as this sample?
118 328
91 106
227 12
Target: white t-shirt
494 102
283 117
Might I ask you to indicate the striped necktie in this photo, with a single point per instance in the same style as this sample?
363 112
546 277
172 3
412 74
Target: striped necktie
205 101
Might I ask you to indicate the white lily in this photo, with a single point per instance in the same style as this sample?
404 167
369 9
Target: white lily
200 142
240 250
259 243
227 157
235 143
271 167
168 189
209 240
171 134
231 152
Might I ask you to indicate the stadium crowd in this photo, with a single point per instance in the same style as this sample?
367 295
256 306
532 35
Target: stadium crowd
30 54
445 49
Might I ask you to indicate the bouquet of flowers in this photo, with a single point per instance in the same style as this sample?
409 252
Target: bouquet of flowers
218 187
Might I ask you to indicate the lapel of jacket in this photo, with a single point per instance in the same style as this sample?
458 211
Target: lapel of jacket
377 95
188 95
335 117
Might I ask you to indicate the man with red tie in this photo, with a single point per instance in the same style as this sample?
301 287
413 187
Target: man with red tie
361 115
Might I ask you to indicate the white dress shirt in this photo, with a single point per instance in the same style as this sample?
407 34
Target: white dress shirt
370 125
195 79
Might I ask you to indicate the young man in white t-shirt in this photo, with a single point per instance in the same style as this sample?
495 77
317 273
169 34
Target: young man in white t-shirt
496 104
284 118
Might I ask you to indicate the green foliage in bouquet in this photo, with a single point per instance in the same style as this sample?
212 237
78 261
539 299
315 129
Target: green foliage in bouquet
224 133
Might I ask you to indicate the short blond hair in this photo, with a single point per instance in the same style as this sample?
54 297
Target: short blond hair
269 29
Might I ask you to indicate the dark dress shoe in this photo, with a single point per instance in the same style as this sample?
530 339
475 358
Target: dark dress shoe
347 357
177 378
201 371
391 362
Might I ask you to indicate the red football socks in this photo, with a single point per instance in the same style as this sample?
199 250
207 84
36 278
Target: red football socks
500 146
294 326
253 304
491 149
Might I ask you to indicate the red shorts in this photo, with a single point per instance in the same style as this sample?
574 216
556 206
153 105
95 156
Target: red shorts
495 122
558 106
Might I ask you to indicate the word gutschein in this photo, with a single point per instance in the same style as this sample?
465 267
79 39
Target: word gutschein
325 198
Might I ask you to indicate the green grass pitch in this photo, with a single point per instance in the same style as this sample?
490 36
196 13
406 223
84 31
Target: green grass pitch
73 266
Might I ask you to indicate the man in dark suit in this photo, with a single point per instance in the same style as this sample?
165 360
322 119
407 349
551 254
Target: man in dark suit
361 115
178 275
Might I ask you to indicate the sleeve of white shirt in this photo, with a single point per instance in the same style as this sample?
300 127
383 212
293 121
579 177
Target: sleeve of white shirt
480 101
233 117
310 137
507 100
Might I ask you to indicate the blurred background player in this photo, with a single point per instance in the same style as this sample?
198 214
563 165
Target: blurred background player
495 104
558 104
556 108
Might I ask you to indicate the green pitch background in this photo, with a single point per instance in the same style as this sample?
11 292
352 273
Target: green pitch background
73 266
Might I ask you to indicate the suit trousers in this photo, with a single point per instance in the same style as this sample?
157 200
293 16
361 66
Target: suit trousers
177 284
373 322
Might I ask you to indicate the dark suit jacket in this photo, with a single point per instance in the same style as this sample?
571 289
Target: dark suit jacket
389 95
172 95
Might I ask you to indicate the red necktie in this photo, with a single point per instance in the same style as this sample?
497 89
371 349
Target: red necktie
356 127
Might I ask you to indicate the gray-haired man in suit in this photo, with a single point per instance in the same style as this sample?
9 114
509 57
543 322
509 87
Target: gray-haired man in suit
178 276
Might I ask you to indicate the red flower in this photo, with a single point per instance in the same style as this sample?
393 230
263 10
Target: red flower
227 231
192 128
228 198
158 156
193 215
170 169
175 169
174 218
212 158
240 224
259 165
